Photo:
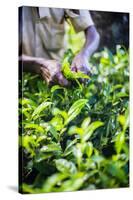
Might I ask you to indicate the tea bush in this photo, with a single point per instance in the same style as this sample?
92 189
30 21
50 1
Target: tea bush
76 138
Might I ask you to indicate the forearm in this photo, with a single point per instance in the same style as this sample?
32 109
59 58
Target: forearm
92 41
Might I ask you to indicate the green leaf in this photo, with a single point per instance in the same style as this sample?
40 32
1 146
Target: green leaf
41 156
75 183
126 125
89 149
52 181
121 95
29 143
56 87
57 111
116 171
26 101
121 119
77 152
75 109
57 122
85 123
50 128
115 87
78 104
34 126
69 147
98 158
51 147
120 138
26 188
65 166
91 128
75 130
40 108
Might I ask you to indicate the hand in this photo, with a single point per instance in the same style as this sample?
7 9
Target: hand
80 63
51 72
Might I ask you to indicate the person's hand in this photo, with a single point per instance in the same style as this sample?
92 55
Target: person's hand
80 63
51 72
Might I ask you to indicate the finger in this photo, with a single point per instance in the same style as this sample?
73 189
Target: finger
61 80
46 77
64 82
85 70
44 71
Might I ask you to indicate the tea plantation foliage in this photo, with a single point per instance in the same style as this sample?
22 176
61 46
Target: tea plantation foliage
77 137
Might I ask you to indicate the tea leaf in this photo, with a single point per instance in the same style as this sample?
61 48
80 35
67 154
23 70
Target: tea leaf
65 166
91 128
40 108
34 126
75 109
120 138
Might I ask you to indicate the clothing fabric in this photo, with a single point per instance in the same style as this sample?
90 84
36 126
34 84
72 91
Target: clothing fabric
42 30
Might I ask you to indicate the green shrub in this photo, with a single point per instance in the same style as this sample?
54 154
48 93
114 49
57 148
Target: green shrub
77 138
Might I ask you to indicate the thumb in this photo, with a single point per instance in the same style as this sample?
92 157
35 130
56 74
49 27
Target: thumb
62 80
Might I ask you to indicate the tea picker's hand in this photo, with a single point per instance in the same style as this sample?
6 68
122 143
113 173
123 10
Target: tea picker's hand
51 72
80 63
